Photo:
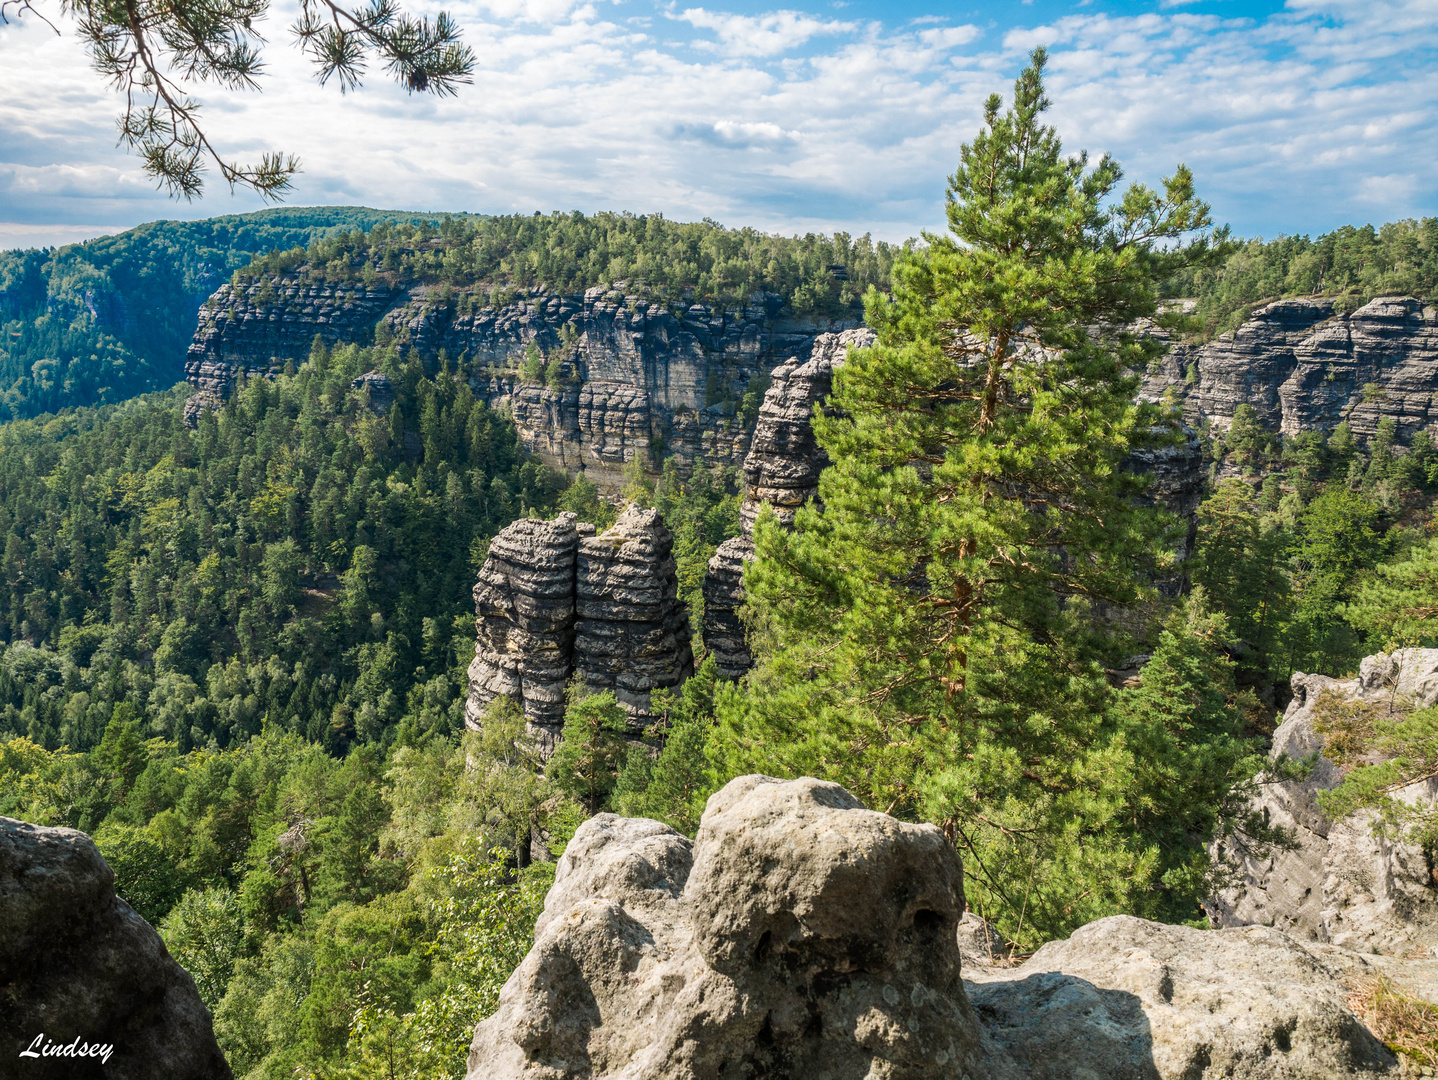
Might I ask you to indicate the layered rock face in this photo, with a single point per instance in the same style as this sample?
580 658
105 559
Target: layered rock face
1304 367
781 471
801 935
251 331
1342 884
554 602
631 633
784 462
82 973
638 372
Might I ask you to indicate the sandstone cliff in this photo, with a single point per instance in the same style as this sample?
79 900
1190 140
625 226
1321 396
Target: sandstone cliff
1303 366
555 603
637 373
781 471
801 935
1341 884
79 970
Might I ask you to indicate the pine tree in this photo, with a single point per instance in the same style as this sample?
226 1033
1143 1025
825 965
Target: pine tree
923 636
591 748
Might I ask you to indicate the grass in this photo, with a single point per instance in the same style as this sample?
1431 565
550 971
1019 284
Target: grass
1407 1025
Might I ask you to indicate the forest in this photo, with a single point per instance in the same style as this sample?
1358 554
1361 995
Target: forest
102 321
236 654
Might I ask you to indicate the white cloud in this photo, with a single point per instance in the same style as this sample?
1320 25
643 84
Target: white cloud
762 35
1321 114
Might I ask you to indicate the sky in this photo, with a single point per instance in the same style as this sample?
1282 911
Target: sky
1296 116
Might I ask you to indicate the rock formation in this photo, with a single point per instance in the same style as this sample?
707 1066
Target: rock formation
781 471
1302 367
631 633
723 595
81 972
639 371
554 602
800 935
1341 884
1128 999
784 463
524 613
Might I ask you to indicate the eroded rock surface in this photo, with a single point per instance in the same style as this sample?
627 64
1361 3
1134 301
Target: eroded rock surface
1342 884
784 462
637 370
781 471
800 935
631 632
1129 999
555 602
723 596
76 962
1302 366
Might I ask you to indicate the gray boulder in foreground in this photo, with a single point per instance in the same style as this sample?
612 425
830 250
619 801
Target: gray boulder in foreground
81 972
1342 884
1129 999
799 935
802 936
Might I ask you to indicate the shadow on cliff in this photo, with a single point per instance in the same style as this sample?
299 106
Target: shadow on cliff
1061 1027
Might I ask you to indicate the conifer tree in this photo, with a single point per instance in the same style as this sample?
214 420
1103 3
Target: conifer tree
922 633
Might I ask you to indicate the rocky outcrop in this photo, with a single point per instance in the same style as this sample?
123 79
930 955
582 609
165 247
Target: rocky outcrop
801 935
377 390
636 372
251 330
1341 883
784 462
781 471
798 935
86 985
631 633
1128 999
556 603
723 596
1303 366
524 614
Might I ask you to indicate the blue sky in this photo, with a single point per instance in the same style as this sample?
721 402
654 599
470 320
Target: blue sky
1295 116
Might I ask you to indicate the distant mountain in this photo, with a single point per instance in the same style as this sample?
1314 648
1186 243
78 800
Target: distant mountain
111 318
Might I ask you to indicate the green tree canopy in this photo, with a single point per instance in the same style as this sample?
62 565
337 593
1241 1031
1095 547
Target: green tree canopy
922 635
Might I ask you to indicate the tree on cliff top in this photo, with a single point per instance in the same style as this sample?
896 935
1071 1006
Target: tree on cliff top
923 638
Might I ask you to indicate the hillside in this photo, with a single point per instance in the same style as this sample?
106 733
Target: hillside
102 321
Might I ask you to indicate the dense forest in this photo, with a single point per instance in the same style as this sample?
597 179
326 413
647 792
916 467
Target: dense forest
572 252
1352 264
236 654
102 321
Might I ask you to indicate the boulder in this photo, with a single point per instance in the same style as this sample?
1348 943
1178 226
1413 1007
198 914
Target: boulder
808 937
801 935
1341 884
82 973
1128 999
